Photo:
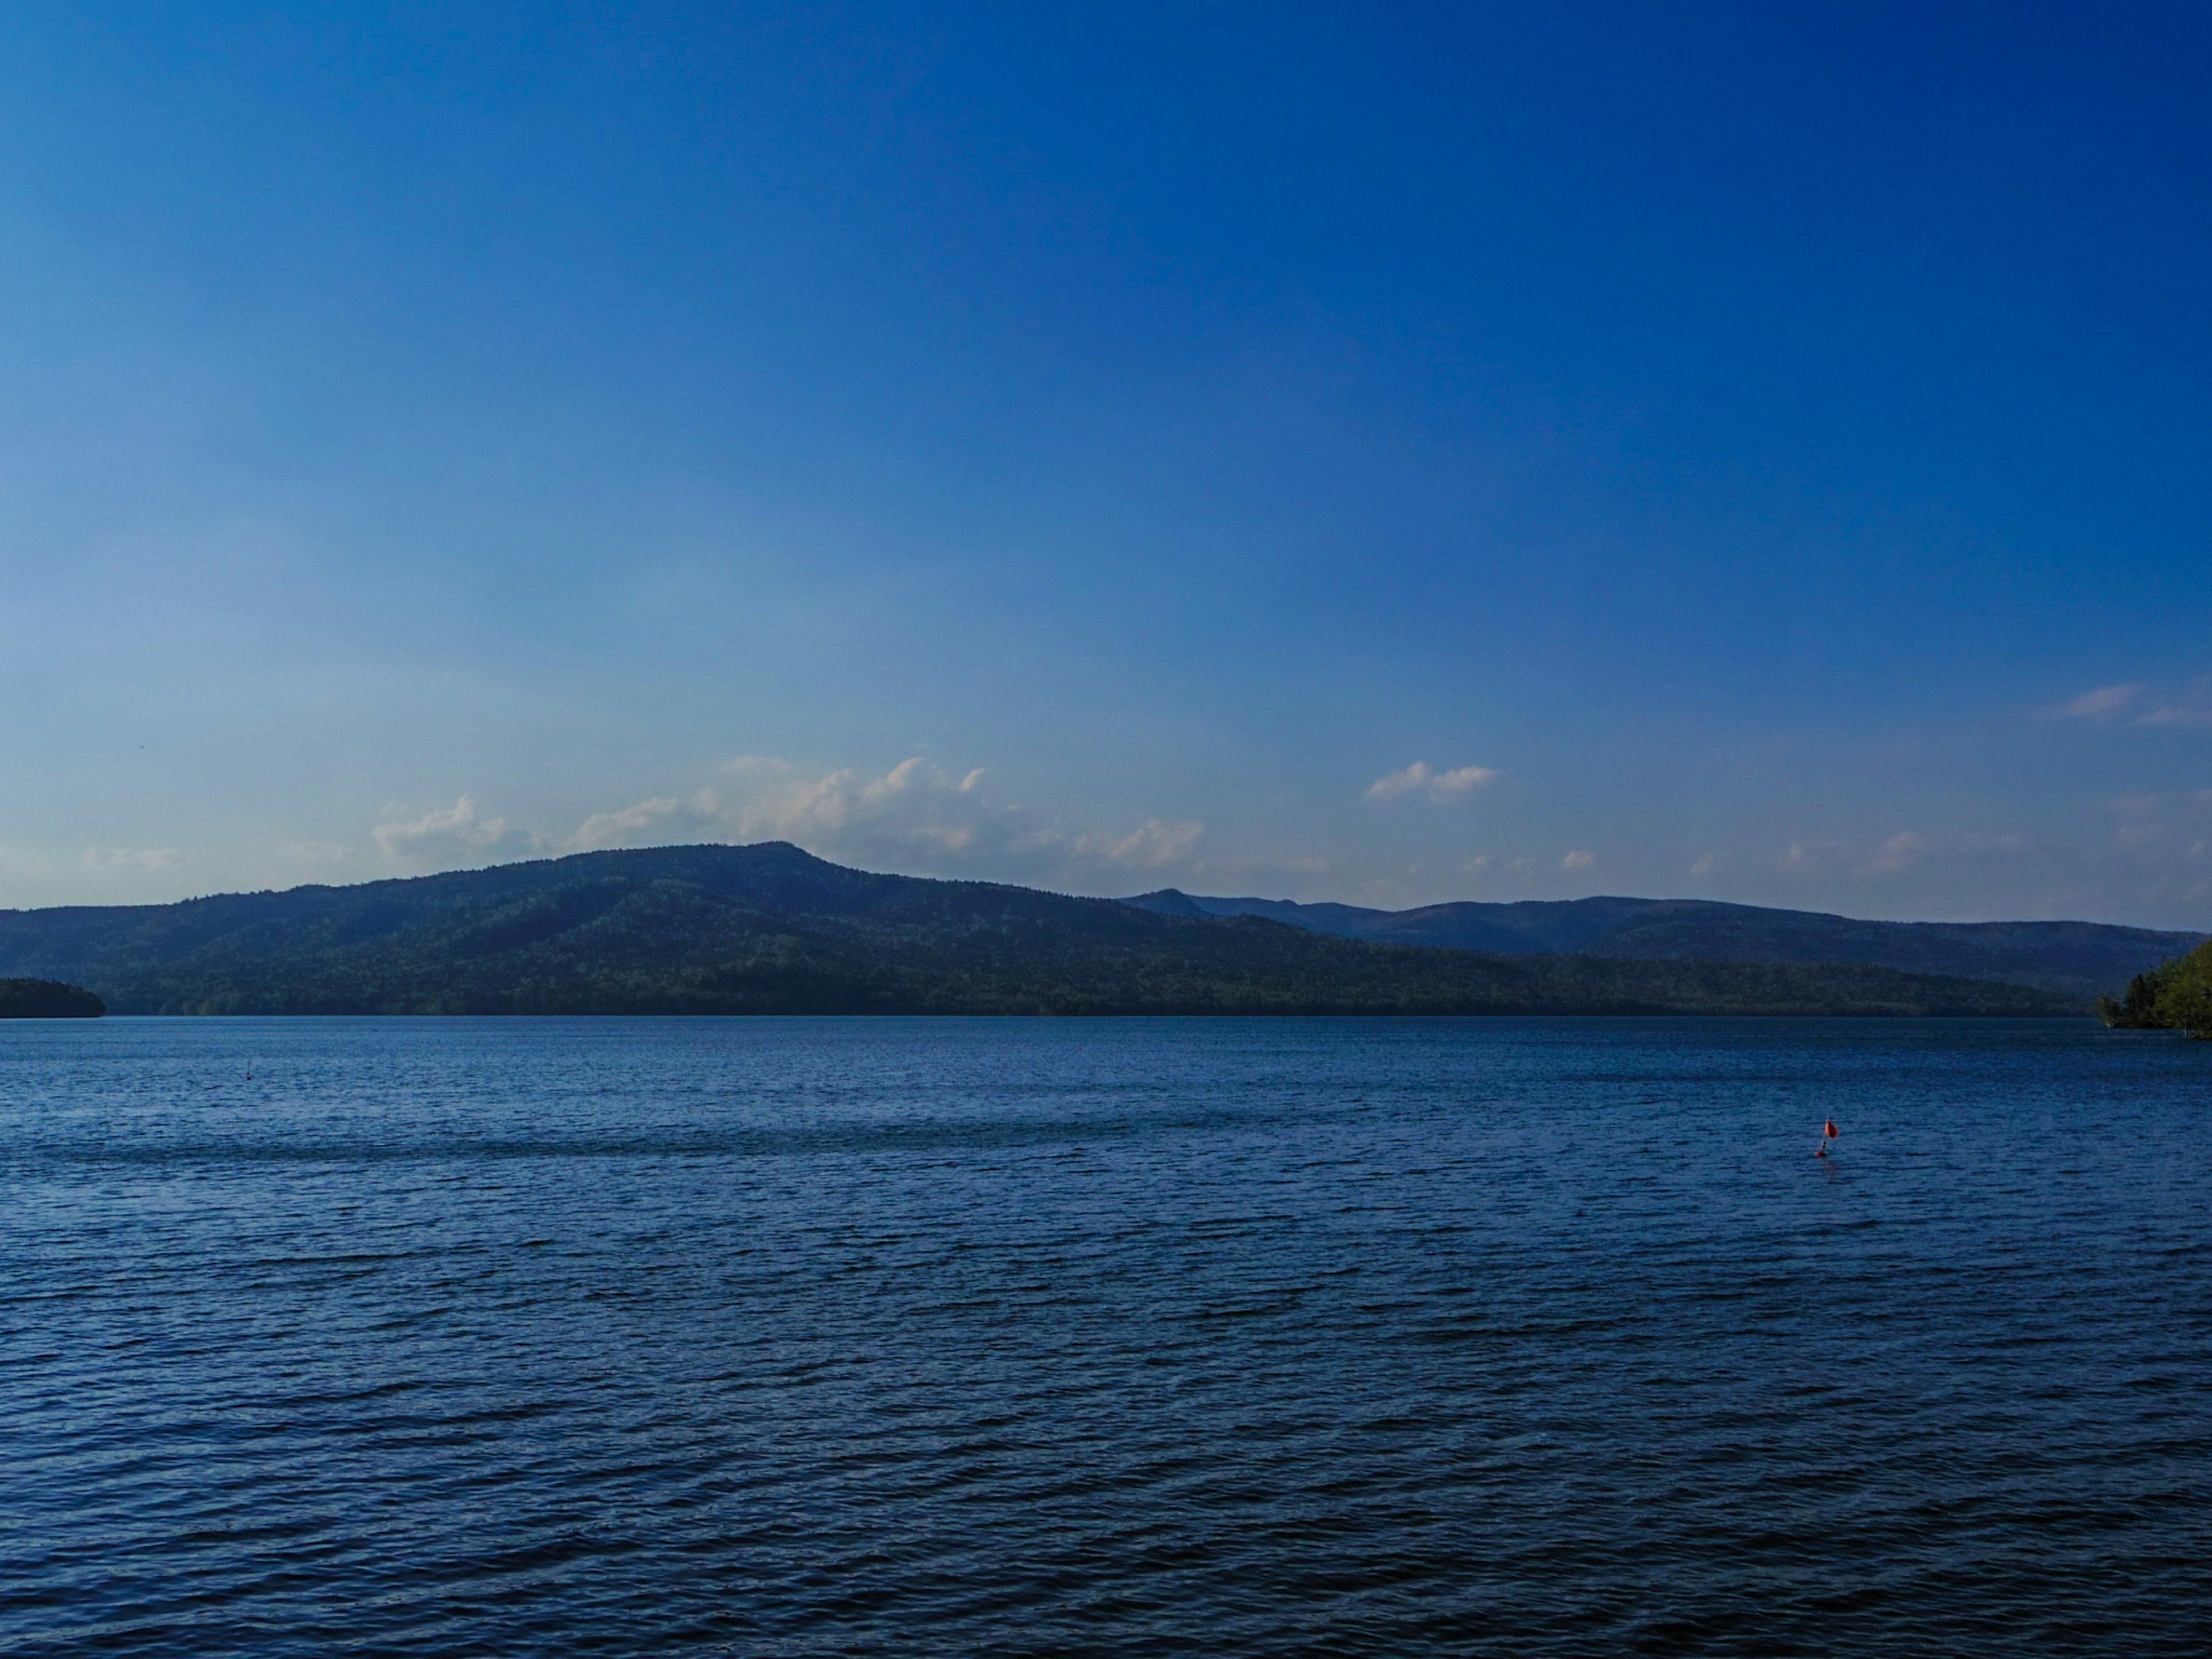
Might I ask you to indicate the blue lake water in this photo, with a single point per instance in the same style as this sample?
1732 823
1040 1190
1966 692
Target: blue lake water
1238 1337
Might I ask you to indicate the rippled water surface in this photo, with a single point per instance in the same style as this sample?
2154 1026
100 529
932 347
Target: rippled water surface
792 1337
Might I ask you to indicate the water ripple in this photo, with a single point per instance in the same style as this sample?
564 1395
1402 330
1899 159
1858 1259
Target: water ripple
803 1338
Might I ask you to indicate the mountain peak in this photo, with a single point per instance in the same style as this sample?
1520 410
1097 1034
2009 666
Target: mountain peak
1168 901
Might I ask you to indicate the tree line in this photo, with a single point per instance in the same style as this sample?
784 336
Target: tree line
2174 996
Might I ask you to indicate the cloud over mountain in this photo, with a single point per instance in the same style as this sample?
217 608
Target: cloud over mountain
917 817
664 818
919 813
454 834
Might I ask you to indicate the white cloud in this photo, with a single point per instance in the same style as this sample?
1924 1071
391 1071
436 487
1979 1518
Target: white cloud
664 819
2189 707
133 858
921 815
453 835
1421 778
1150 845
2104 699
1899 851
914 807
917 817
1809 854
1578 859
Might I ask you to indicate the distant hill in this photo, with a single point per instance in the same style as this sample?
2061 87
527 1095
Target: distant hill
2081 958
770 929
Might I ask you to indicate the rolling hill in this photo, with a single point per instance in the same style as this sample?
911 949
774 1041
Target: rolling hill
771 929
2079 958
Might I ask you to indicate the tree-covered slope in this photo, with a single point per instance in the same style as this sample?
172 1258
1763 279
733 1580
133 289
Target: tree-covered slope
46 999
2081 958
771 929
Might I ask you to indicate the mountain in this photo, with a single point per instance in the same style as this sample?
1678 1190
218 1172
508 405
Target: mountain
2079 958
771 929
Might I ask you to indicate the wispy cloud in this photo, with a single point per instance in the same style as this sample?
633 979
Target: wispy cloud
662 819
1153 843
2191 705
2104 700
453 835
133 858
917 817
919 812
1578 859
914 808
2143 822
1420 778
1899 851
1809 854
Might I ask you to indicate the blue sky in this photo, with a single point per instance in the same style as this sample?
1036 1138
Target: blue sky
1384 453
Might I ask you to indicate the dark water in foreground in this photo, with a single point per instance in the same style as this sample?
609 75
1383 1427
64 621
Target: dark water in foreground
1026 1337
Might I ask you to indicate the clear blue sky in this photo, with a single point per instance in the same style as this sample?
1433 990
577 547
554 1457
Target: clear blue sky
1377 452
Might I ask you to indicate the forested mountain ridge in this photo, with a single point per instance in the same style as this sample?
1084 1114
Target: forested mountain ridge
2081 958
771 929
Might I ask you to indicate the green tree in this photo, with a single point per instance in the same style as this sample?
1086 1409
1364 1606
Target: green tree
2174 996
2184 994
2138 1010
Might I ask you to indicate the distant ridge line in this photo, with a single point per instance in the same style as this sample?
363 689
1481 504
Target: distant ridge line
2083 957
770 928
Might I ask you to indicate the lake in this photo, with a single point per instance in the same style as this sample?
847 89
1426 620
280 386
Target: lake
1030 1337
